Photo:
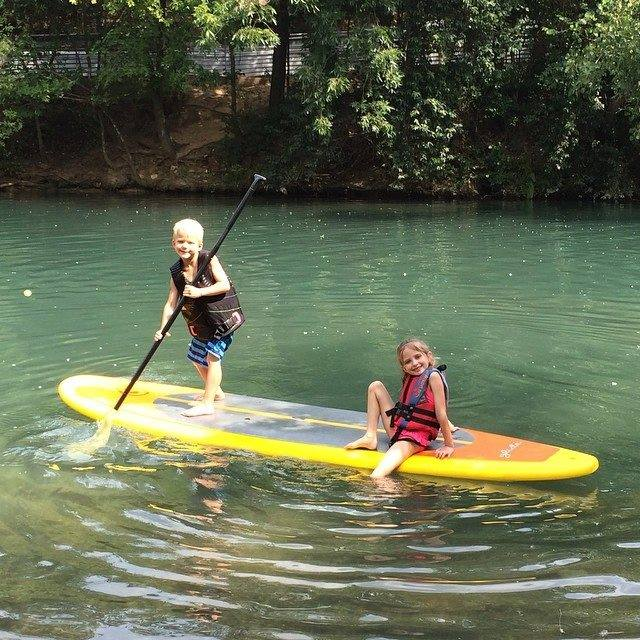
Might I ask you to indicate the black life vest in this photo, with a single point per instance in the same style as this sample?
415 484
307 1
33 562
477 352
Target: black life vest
412 409
209 317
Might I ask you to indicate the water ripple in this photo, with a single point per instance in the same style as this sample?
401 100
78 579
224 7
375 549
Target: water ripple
533 308
106 586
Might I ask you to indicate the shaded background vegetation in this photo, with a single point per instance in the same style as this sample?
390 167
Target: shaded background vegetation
463 97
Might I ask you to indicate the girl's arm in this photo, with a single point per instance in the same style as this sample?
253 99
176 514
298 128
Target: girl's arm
437 388
168 309
221 282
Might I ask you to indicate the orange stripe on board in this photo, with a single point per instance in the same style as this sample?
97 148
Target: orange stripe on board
494 446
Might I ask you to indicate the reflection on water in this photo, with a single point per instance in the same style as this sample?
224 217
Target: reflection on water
535 312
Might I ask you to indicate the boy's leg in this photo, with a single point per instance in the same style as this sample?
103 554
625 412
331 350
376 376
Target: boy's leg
378 402
212 379
202 372
396 455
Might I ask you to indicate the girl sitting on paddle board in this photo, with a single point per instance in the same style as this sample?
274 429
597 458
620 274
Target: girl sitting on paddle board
418 416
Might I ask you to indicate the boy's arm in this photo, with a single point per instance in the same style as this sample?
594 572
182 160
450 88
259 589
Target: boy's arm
221 282
437 387
168 309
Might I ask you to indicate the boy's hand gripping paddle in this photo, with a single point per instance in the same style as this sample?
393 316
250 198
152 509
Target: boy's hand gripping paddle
256 180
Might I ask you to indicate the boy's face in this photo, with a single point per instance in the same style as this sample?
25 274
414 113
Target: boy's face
186 244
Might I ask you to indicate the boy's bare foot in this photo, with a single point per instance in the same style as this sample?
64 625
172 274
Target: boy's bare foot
366 442
220 395
199 410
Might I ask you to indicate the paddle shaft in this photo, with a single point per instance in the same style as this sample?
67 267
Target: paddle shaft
256 180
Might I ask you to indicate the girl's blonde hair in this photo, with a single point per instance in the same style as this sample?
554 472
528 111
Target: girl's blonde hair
418 345
187 225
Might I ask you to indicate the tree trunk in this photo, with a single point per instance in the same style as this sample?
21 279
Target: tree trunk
103 141
233 87
158 85
87 48
129 157
161 124
39 137
279 74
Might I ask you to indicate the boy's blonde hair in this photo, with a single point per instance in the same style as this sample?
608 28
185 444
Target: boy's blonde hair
189 226
418 345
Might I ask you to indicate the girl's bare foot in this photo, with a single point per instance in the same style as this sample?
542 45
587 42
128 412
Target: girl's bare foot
366 442
199 410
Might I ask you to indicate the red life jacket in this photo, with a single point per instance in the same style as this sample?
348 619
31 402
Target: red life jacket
209 317
413 410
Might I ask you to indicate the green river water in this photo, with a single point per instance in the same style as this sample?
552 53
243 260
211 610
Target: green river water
535 310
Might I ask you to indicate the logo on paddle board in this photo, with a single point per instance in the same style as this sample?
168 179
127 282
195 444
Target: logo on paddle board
510 448
135 392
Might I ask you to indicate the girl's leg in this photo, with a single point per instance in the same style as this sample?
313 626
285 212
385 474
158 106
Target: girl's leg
212 380
378 402
396 455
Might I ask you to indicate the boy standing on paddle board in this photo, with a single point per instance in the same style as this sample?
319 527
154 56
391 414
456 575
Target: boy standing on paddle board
211 310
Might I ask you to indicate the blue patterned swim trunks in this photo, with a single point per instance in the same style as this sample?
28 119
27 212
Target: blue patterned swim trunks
198 349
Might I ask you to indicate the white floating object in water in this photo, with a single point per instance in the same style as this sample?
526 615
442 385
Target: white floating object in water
27 293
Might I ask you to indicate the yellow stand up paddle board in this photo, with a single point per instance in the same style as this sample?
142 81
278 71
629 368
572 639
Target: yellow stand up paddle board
306 432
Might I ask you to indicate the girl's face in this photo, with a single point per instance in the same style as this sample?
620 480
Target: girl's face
186 244
414 362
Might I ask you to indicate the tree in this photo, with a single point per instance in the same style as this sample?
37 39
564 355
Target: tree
28 83
144 55
280 55
237 25
605 63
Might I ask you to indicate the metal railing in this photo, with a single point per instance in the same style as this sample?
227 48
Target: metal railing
250 63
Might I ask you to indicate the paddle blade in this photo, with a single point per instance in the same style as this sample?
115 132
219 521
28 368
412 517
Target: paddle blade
98 440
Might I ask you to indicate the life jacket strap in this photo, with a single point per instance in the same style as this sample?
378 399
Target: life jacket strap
408 411
400 409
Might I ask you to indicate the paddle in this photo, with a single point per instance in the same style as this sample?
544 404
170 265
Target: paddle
256 180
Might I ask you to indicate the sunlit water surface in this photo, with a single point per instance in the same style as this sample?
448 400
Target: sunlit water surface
534 309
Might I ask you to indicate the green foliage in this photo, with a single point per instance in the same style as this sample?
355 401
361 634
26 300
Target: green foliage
203 78
512 98
243 24
605 64
470 96
360 65
28 85
279 144
10 124
143 49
